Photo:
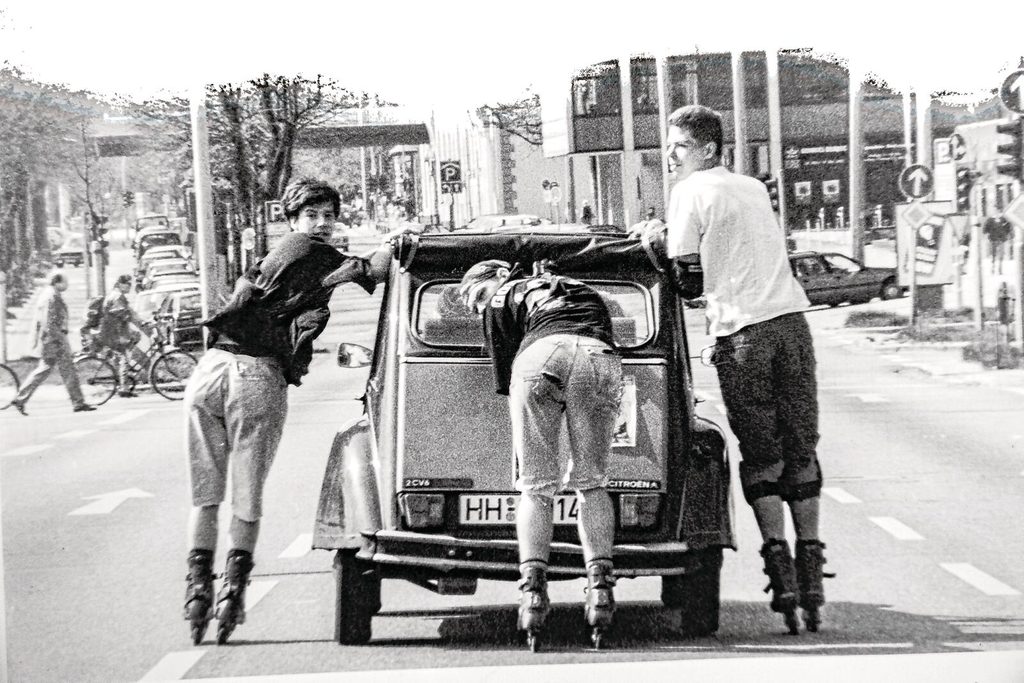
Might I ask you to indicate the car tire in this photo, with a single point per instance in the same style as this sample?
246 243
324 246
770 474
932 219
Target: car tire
697 596
890 290
357 599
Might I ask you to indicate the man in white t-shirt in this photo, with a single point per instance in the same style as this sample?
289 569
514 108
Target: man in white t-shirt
764 354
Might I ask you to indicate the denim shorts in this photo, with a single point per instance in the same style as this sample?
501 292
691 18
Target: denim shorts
235 408
767 374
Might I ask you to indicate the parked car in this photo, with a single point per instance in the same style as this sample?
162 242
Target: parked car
176 276
147 302
154 254
832 279
182 311
152 237
70 252
421 486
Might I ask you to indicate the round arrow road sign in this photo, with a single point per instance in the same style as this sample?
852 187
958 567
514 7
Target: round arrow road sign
1010 92
916 181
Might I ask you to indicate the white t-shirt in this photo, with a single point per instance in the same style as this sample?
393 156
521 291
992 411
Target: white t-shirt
727 219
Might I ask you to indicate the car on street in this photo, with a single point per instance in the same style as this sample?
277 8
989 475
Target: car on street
154 254
147 302
154 237
71 252
177 276
420 487
182 311
832 279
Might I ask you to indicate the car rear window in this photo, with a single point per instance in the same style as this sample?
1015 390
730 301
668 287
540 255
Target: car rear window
442 320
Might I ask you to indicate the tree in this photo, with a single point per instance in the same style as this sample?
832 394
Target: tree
520 118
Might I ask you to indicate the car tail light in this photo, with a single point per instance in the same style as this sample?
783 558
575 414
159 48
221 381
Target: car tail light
638 509
422 509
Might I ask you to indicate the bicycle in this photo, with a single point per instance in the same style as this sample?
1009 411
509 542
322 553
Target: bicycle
166 367
10 385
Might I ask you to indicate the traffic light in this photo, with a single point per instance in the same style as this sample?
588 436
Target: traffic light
772 185
1013 166
129 198
965 178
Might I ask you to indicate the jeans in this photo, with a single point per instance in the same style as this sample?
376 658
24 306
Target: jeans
574 376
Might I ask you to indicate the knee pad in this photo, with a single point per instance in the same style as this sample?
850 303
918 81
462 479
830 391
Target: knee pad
541 494
760 489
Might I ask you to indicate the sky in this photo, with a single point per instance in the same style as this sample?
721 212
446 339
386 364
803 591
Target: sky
460 54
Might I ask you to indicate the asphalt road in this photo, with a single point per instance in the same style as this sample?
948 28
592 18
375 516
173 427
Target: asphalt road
921 516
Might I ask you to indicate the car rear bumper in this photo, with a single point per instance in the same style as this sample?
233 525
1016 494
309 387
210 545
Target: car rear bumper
439 553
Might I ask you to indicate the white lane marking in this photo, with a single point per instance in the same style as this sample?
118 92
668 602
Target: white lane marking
256 591
29 450
898 530
127 416
299 547
870 398
977 578
75 434
106 503
839 495
173 666
997 626
824 646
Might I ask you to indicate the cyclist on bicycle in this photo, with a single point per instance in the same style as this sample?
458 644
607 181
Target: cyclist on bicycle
115 331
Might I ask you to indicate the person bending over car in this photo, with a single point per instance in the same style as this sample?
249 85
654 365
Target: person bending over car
764 354
550 339
236 399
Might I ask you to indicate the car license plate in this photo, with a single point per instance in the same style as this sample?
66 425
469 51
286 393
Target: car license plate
501 509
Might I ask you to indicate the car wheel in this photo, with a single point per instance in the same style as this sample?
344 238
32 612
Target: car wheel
890 290
697 596
357 600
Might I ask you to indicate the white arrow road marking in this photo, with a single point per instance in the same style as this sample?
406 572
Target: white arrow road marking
839 495
173 666
29 450
299 547
108 502
897 529
124 417
869 398
977 578
75 434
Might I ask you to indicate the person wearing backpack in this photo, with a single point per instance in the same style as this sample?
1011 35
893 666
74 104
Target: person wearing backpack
50 329
115 331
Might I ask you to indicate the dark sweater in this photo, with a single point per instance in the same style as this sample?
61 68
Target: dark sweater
523 311
281 304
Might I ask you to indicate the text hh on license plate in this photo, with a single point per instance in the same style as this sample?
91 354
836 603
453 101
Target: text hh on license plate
501 509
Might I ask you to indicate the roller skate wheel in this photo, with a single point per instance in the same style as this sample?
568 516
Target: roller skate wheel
597 638
198 631
812 620
533 641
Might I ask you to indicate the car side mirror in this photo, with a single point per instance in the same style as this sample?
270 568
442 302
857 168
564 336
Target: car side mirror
353 355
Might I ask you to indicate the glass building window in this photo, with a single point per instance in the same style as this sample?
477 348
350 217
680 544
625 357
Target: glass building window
682 82
596 91
644 84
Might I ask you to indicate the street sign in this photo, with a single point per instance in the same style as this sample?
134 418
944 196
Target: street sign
917 215
248 239
916 181
1010 92
1015 212
830 191
957 147
451 176
941 153
275 211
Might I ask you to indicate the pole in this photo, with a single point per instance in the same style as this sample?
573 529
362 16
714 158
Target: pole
570 200
208 272
124 191
979 292
362 164
436 142
908 126
739 107
924 130
856 152
1018 306
775 133
3 317
660 62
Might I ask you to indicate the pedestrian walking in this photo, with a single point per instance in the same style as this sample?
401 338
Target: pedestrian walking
550 340
50 331
236 399
763 354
